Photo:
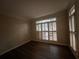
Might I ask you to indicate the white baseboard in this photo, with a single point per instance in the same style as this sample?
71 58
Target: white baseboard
15 47
56 43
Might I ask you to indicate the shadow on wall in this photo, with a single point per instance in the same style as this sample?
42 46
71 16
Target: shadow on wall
12 32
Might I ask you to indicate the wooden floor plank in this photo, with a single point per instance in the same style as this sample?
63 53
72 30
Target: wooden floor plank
36 50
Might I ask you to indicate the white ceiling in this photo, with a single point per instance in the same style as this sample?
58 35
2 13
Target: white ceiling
32 8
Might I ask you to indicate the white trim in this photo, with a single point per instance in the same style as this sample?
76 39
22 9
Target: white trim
51 42
15 47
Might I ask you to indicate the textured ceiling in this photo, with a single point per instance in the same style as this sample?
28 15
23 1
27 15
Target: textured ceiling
32 8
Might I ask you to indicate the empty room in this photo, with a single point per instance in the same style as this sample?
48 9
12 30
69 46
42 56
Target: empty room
39 29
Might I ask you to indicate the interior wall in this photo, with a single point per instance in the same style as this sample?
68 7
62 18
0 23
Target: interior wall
13 33
76 3
77 25
62 28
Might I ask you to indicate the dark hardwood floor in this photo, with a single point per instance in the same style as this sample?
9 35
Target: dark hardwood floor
36 50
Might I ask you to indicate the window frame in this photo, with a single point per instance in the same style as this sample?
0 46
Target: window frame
48 30
72 28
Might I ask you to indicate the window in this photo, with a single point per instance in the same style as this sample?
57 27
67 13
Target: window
38 27
72 28
46 29
45 35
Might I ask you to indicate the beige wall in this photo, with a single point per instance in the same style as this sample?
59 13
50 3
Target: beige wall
13 33
77 25
62 27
